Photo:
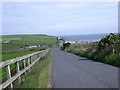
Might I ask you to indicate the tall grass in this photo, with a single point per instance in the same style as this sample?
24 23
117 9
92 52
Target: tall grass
100 56
39 75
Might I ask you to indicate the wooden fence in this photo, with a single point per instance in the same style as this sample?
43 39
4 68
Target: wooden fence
27 60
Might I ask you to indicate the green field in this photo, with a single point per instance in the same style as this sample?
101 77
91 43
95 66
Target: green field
13 42
14 54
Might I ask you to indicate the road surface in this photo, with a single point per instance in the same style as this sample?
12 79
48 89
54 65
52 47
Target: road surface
72 71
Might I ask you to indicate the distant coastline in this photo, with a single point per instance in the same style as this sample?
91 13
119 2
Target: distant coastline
91 37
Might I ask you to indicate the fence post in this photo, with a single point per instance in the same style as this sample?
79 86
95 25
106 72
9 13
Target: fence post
32 57
24 65
29 63
9 74
18 70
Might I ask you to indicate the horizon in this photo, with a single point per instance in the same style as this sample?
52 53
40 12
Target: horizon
59 35
58 19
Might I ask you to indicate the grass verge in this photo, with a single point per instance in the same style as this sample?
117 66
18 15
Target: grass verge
111 59
39 74
10 55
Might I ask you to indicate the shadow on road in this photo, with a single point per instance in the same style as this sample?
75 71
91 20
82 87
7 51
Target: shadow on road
82 59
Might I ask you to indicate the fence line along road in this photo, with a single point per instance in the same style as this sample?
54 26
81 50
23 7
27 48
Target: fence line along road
28 61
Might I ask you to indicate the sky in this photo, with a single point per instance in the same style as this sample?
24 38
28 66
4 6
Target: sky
59 18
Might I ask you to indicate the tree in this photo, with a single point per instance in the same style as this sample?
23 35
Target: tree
109 41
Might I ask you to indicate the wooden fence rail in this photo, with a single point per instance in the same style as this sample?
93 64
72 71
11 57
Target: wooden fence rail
27 60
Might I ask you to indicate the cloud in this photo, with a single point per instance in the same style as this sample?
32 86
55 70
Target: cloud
60 0
53 18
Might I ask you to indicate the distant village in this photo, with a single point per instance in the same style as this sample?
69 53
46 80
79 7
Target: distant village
80 41
76 41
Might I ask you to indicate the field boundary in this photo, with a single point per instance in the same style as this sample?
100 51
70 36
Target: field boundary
28 61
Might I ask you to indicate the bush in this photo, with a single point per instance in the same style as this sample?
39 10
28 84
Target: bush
74 51
112 59
89 55
83 54
96 52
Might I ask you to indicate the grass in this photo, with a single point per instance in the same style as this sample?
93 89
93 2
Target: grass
99 56
11 47
16 41
14 54
11 55
39 75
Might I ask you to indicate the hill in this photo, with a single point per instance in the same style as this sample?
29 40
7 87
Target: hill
11 42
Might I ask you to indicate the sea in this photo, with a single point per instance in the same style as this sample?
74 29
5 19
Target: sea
91 37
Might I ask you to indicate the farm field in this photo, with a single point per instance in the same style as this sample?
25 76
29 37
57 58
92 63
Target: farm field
11 44
14 54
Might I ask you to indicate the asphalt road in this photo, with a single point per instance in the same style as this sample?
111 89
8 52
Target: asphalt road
72 71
